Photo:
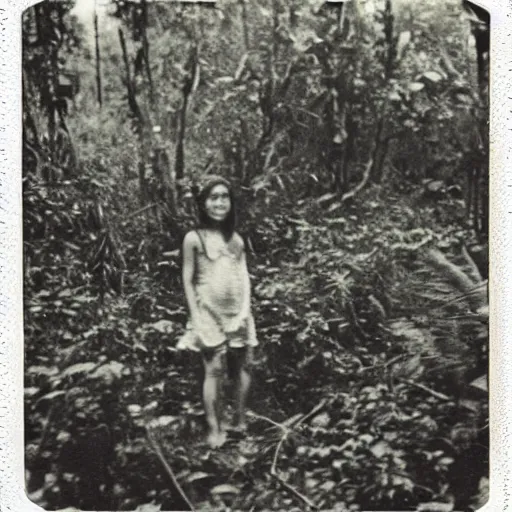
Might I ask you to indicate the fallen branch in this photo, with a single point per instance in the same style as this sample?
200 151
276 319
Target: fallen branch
268 420
318 407
287 429
385 364
368 255
273 468
296 493
361 185
305 111
156 448
287 486
431 392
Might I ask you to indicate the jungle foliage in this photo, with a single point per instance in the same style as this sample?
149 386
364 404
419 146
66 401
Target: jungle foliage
356 136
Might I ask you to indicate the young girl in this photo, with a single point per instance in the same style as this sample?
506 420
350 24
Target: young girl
217 289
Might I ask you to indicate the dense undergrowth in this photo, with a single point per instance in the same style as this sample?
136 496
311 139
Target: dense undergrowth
356 142
360 398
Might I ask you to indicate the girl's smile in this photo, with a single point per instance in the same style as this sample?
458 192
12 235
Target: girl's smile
218 203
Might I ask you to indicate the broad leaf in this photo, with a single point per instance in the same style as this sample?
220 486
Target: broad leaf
198 475
31 391
78 368
109 371
52 395
433 76
225 489
480 383
43 370
416 86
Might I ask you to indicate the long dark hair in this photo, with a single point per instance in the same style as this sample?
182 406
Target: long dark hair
227 226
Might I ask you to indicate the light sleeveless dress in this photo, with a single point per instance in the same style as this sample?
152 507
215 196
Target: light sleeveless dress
219 287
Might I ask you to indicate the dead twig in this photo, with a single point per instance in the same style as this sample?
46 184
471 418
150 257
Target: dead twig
287 486
435 394
368 255
273 469
385 364
137 212
295 421
268 420
158 451
361 185
318 407
296 493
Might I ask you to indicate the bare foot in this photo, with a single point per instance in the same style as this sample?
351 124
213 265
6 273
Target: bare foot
216 439
223 436
213 439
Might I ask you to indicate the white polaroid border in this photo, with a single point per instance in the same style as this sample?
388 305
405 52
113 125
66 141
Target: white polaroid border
12 494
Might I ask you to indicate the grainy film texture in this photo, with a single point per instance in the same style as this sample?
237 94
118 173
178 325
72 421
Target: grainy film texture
256 255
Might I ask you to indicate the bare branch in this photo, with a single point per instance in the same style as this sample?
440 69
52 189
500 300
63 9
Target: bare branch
287 486
366 176
431 392
156 448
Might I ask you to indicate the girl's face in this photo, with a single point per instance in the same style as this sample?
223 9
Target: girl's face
218 203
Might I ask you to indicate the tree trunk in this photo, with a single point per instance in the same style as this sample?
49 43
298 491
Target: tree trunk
379 152
245 25
130 89
191 67
98 61
180 151
145 51
138 118
48 81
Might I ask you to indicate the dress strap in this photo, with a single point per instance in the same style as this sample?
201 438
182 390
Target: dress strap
203 245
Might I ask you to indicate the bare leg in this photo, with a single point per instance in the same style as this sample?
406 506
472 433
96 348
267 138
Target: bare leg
214 365
242 385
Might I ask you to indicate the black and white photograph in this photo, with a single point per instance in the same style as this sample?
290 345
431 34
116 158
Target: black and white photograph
256 255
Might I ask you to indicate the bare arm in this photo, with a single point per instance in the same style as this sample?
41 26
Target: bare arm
189 248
